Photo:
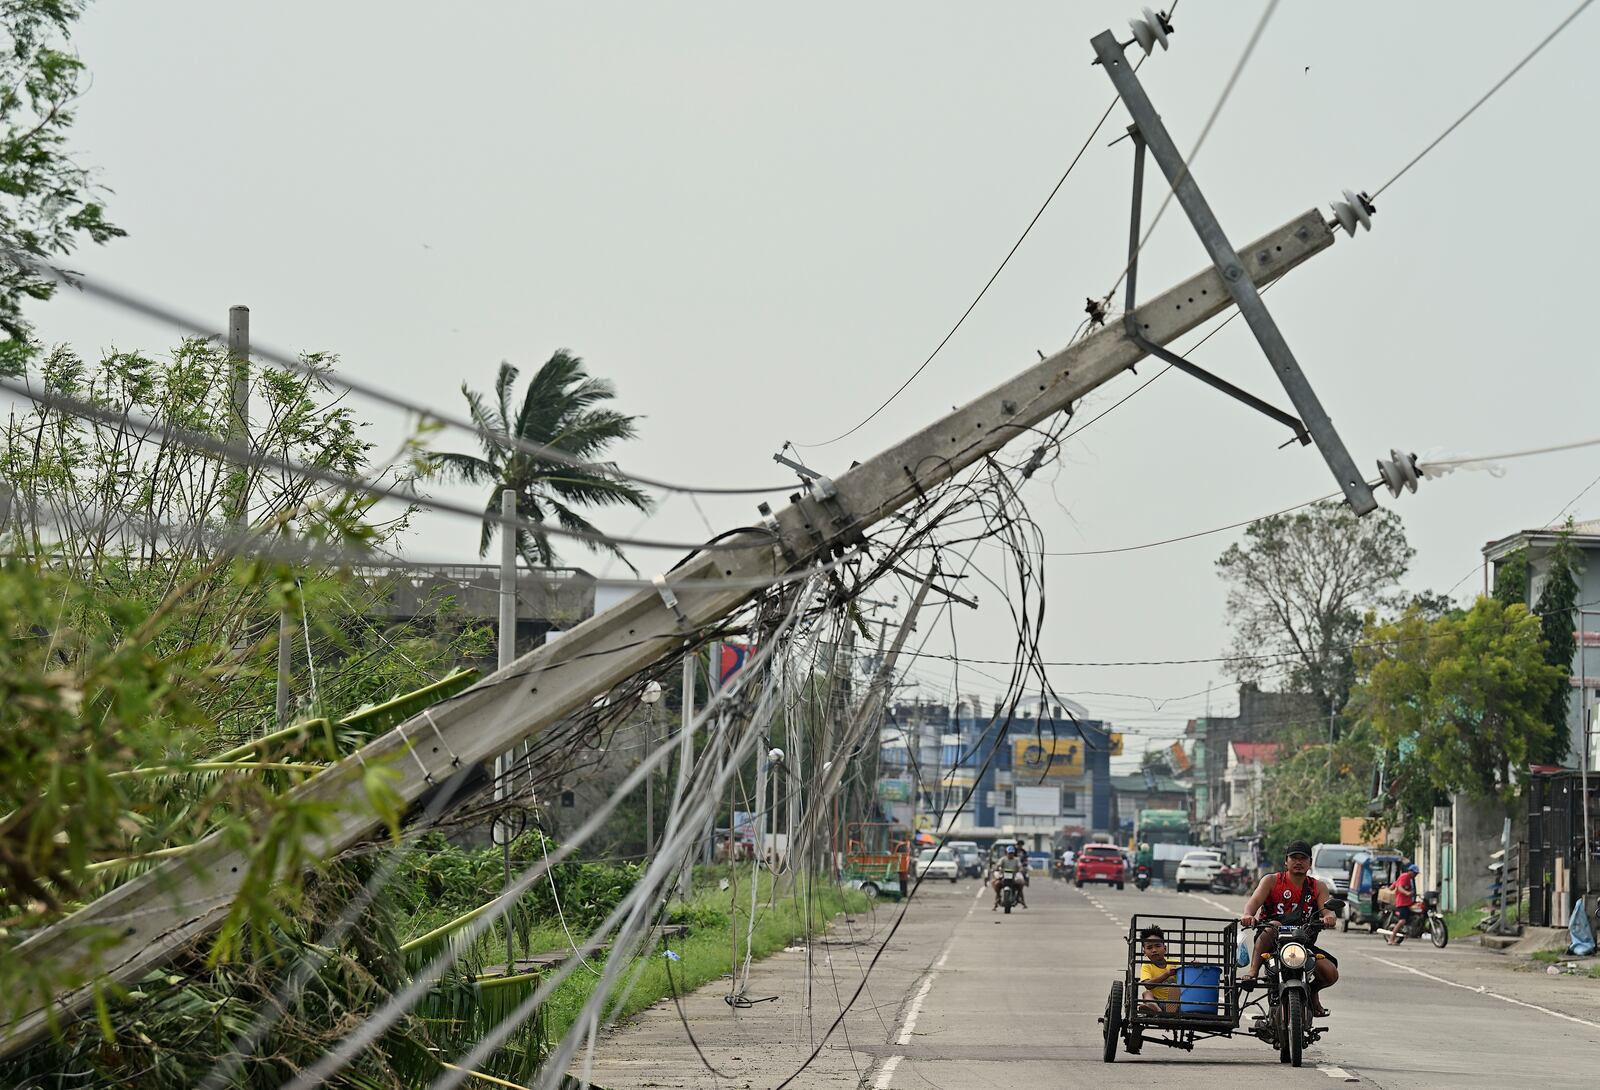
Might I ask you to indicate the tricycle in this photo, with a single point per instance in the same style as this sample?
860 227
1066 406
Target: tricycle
1370 874
876 856
1202 953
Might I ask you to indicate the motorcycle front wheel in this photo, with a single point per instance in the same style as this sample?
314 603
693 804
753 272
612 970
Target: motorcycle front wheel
1294 1028
1437 931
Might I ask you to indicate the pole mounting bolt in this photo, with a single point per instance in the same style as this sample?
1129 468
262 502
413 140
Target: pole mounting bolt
1356 208
1399 471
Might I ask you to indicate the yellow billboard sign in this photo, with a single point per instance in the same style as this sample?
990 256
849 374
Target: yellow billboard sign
1050 758
1116 744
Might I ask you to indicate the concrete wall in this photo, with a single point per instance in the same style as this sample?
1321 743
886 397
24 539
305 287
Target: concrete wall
1478 827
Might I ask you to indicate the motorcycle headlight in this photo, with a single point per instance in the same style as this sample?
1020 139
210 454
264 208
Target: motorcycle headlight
1294 956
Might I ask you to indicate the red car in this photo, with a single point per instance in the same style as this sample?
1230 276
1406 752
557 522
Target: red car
1100 863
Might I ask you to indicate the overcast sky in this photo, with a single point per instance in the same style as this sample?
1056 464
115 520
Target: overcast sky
757 220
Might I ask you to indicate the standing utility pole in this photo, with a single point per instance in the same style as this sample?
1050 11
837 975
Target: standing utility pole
505 764
239 439
1583 767
686 763
239 401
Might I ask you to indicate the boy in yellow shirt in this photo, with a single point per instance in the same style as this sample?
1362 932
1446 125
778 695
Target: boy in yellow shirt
1156 973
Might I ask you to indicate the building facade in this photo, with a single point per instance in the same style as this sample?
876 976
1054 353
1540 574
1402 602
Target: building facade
1585 670
983 778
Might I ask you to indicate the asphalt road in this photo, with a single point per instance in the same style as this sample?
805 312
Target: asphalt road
1014 1001
963 997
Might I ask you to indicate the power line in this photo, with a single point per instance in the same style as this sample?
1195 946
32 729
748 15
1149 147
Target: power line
1501 82
1194 152
222 448
159 312
1196 534
981 291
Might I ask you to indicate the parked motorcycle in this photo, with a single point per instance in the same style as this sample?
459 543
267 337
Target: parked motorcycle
1287 973
1141 877
1230 879
1426 919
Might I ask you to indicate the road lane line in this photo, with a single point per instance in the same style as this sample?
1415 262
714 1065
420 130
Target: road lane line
1338 1073
1482 991
914 1011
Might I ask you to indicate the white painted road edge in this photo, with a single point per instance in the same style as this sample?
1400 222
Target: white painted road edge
914 1011
1454 984
1483 991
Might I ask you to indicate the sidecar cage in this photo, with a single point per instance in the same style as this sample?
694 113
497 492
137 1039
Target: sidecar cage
1204 946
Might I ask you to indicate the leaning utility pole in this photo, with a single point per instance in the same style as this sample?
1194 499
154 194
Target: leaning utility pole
151 918
557 679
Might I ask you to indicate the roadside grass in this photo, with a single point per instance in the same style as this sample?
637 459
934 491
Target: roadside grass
718 921
1465 921
1548 957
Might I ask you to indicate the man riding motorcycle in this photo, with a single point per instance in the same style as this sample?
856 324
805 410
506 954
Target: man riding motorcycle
1405 901
1291 892
1013 870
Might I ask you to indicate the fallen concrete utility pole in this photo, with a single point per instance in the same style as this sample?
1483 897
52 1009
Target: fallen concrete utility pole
148 920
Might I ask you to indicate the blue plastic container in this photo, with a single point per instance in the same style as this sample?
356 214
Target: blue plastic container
1200 988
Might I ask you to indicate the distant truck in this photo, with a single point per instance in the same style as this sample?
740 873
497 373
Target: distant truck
1167 833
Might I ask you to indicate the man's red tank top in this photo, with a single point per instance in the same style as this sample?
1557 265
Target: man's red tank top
1286 899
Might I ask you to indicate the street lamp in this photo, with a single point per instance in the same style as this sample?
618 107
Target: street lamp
649 698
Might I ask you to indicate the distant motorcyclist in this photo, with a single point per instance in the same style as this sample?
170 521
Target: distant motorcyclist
1405 901
1009 869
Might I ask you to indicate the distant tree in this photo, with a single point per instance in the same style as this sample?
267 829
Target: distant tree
1299 585
1511 579
1557 606
48 203
1431 604
1312 785
558 410
1460 698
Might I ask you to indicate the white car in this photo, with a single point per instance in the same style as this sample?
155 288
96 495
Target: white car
933 863
1197 869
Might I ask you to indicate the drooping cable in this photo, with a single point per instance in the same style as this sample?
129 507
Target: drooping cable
1487 95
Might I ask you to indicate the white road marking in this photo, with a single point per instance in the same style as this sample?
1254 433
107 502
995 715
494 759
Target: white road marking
1483 991
1218 904
915 1011
1338 1073
886 1072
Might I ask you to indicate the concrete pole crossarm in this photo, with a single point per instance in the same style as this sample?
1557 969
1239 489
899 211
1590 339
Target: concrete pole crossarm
886 482
156 915
1238 277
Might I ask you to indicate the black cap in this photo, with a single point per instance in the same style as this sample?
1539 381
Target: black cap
1297 847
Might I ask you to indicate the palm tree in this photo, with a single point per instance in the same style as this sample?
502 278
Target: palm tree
558 410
